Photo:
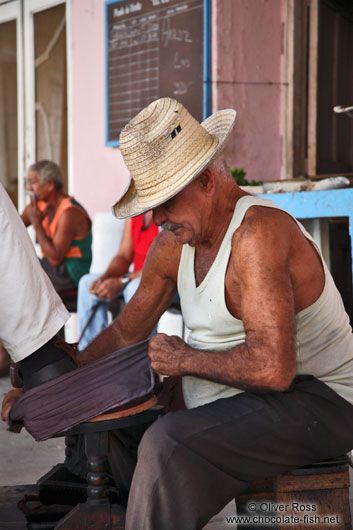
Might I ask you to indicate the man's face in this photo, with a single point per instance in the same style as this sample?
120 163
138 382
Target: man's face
36 186
180 216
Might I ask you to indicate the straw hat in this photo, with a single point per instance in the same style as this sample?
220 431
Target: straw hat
165 148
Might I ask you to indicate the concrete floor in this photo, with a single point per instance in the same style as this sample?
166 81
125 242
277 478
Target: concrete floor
23 461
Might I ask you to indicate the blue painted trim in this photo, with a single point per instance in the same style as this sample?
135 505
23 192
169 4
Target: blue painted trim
207 59
316 204
313 204
106 89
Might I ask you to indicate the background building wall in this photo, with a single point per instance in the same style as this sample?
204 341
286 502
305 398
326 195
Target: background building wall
99 173
247 74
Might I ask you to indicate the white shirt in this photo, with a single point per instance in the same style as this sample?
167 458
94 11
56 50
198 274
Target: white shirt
31 312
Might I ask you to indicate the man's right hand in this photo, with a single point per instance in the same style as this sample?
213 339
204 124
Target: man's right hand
9 400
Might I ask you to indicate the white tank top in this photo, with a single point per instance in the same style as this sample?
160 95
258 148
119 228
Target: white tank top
324 339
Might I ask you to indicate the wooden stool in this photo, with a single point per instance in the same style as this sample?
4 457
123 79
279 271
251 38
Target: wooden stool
98 512
312 497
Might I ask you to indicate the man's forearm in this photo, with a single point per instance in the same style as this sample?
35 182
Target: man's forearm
105 343
224 367
110 340
240 367
122 332
47 246
118 266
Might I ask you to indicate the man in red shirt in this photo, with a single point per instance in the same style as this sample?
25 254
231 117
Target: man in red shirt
138 235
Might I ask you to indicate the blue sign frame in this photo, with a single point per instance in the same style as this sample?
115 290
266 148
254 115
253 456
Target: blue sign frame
207 64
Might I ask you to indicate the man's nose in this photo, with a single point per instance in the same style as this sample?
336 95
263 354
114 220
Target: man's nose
158 214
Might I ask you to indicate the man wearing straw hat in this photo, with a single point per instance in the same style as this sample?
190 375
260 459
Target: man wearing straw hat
267 373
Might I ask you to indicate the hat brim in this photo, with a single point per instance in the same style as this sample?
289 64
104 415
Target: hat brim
219 125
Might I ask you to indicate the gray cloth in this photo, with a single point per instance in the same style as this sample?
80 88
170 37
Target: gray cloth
113 381
59 275
191 463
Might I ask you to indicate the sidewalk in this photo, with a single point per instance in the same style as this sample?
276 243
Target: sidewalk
23 460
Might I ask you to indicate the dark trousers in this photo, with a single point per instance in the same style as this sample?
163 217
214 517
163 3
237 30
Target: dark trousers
191 463
59 276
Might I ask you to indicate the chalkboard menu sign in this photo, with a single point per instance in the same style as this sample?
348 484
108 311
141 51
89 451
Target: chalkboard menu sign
155 48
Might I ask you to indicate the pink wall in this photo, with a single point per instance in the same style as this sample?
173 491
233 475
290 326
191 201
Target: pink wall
246 71
99 173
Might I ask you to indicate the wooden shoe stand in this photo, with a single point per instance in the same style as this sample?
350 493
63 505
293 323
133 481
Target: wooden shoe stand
320 492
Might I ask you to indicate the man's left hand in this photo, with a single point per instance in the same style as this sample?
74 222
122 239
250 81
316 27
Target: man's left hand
168 354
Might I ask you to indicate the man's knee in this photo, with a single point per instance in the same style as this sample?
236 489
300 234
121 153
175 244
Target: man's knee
160 439
85 283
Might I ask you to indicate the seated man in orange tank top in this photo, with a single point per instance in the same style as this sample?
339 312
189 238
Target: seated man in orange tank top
62 226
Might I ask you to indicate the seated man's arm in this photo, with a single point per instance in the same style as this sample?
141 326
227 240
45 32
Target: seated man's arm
259 276
72 223
153 296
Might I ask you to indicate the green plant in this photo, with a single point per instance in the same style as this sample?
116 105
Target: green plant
239 177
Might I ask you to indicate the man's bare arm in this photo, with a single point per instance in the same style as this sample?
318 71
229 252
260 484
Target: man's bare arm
70 225
152 298
266 361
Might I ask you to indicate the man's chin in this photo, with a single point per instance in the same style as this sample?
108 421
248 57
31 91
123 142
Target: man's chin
181 237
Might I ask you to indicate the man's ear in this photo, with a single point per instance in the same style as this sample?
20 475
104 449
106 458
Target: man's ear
207 181
51 185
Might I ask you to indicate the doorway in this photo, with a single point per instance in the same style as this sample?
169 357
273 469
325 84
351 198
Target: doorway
33 90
